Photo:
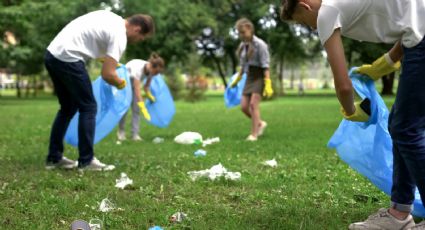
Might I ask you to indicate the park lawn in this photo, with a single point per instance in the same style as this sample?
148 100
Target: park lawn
310 189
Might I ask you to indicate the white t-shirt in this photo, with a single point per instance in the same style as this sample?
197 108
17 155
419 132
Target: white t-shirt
136 69
93 35
380 21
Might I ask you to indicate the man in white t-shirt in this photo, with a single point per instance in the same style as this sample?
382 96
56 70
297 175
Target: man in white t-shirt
96 35
399 22
140 71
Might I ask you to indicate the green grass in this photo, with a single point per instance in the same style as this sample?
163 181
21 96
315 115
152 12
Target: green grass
310 189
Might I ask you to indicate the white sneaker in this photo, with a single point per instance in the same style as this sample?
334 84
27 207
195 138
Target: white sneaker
420 226
64 163
263 126
121 135
96 165
383 220
251 138
136 138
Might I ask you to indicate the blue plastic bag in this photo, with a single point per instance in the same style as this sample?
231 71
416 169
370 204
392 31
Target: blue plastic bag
367 146
232 96
162 110
112 104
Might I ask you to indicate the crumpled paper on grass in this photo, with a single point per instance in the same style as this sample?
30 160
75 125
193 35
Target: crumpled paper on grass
215 172
123 181
272 163
188 138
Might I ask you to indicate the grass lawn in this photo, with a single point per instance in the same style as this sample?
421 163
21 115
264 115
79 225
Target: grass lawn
310 189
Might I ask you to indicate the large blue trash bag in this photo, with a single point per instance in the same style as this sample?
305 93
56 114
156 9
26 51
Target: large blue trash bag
162 110
367 146
232 96
112 104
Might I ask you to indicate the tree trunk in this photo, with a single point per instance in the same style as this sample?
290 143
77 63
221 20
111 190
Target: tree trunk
220 70
281 78
291 85
18 85
35 87
388 83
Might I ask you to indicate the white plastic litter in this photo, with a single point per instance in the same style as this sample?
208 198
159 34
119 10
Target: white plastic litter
210 141
178 217
158 140
188 138
106 205
200 153
271 163
123 181
95 224
215 172
118 143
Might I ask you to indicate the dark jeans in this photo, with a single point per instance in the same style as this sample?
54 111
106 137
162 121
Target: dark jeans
407 128
74 91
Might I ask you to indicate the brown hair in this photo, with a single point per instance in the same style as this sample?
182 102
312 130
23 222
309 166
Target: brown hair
244 22
287 9
156 61
144 21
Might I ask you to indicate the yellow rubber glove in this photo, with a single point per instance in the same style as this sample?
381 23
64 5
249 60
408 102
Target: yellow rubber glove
143 110
359 114
236 80
379 68
150 96
268 89
121 84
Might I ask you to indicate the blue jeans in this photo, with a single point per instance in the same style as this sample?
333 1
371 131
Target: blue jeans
74 91
407 129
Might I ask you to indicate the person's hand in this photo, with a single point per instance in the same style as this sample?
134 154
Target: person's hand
362 112
144 111
236 80
150 96
121 84
268 89
379 68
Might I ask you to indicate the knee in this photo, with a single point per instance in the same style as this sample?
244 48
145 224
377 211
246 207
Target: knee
245 108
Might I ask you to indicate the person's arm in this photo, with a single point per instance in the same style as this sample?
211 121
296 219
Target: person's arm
147 90
396 53
109 73
343 85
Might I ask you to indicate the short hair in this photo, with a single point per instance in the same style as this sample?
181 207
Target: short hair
156 61
145 22
245 22
287 9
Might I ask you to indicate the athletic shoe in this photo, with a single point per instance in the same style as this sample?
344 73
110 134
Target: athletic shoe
420 226
64 163
96 165
251 138
136 138
384 220
263 126
121 135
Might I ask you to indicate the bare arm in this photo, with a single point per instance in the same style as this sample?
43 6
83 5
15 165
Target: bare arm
396 53
147 85
343 85
109 73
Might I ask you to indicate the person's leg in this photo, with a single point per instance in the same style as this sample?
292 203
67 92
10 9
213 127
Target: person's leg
245 105
75 78
135 121
255 113
64 115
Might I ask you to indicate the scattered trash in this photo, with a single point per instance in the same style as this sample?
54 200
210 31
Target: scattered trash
80 225
158 140
123 181
188 138
118 142
155 228
109 168
210 141
271 163
95 224
3 187
200 153
178 217
106 205
214 172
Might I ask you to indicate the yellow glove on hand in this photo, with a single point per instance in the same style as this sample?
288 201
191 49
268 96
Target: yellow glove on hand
150 96
268 89
381 67
144 111
236 80
359 114
121 84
